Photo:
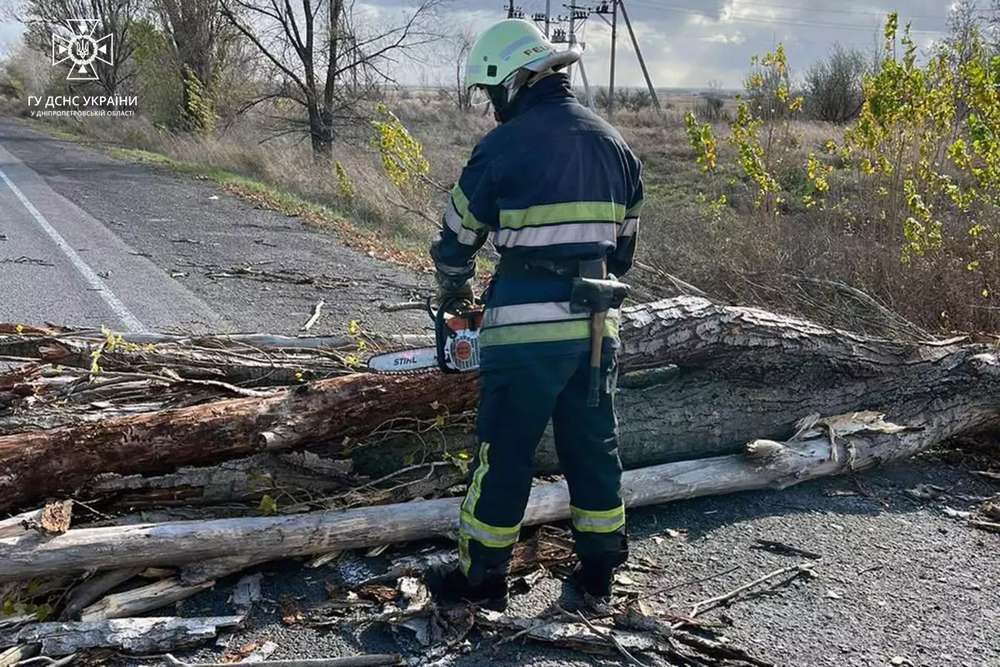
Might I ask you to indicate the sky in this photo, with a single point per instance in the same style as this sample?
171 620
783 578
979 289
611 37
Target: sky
686 43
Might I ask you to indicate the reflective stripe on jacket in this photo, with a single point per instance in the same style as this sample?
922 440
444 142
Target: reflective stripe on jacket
554 182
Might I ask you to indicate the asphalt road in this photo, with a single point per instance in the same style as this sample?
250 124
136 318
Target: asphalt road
88 240
899 581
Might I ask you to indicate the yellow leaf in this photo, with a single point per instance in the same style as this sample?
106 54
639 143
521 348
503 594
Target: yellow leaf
268 505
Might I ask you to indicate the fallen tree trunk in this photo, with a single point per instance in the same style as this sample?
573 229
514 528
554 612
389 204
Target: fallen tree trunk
320 412
16 525
823 447
235 480
706 378
140 600
131 635
93 589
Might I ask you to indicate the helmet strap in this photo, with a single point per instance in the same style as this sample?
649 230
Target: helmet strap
502 96
499 100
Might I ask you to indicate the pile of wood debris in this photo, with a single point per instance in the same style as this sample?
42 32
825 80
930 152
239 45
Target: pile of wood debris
142 469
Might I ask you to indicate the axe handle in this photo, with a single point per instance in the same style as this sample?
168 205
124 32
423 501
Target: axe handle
597 321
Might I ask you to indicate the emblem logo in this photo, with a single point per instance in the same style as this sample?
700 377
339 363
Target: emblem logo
82 49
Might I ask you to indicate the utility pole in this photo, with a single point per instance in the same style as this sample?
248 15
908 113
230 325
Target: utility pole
577 13
548 17
614 63
572 35
588 91
602 11
510 9
638 53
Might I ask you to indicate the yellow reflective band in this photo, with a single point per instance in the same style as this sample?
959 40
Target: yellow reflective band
495 537
598 521
635 210
461 203
548 214
544 332
475 488
471 499
469 222
460 200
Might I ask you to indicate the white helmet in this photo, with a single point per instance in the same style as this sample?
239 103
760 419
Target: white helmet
511 45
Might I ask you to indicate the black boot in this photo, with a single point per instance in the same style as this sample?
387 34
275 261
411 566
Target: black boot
595 579
450 587
595 583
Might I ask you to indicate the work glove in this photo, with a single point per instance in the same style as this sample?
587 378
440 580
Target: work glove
455 290
454 282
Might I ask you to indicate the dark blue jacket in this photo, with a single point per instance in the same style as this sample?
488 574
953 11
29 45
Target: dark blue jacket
554 182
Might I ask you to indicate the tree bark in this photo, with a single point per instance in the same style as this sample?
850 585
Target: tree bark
138 601
705 378
844 443
131 635
93 589
330 410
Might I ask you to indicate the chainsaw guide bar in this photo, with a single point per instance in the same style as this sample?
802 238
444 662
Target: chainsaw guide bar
456 350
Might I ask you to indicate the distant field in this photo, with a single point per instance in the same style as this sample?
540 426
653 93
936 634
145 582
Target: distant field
728 250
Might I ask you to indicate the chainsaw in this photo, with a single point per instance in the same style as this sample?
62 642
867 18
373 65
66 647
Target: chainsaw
456 348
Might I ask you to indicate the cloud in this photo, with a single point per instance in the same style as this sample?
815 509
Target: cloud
686 43
723 38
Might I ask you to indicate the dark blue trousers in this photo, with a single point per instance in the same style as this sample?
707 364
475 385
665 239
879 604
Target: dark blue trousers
515 406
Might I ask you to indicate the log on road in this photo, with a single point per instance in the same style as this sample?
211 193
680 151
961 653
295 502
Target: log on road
823 447
706 378
131 635
329 410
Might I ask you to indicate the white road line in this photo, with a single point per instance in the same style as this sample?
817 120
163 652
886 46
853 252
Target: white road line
130 321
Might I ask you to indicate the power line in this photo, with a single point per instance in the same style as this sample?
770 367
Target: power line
576 20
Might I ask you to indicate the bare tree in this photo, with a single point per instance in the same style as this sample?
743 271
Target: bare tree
834 86
43 18
964 27
713 102
194 28
966 35
460 44
326 60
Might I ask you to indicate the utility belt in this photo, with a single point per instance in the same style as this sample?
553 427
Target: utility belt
592 291
596 269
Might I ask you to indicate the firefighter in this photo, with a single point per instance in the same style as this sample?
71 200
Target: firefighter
560 192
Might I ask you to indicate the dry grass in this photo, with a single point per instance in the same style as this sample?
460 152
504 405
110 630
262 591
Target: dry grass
285 165
733 254
738 255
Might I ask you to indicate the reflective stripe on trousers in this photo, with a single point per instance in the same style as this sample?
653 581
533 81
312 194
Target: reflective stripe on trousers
471 528
598 521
